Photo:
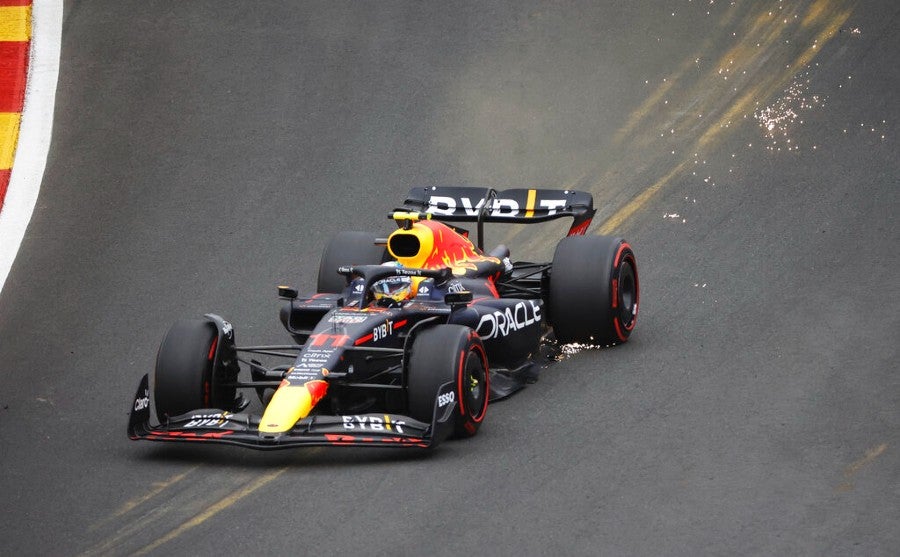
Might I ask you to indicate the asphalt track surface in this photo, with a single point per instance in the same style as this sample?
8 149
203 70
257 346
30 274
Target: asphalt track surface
205 151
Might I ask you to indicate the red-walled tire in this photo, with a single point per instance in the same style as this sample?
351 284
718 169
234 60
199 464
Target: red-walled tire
594 290
449 353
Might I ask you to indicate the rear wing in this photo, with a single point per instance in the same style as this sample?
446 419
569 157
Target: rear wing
465 204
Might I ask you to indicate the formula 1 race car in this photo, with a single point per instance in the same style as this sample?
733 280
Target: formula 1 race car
406 338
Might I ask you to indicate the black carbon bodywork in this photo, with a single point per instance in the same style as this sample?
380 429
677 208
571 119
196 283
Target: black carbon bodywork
352 349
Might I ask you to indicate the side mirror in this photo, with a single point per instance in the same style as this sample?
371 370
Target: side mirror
287 292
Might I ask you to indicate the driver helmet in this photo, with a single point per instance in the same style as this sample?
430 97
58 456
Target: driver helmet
392 289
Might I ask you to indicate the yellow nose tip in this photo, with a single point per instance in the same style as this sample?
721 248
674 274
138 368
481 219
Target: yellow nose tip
290 404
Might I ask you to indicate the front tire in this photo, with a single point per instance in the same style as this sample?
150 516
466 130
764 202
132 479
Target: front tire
594 290
184 379
443 354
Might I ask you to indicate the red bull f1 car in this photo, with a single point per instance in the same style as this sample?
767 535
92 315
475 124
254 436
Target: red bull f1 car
406 338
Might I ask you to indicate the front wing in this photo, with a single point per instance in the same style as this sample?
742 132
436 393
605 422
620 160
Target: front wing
213 425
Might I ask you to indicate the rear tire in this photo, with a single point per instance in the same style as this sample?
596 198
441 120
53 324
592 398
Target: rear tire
347 248
594 290
443 354
184 378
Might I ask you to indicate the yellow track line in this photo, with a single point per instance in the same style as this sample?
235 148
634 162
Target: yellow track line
213 510
870 455
818 12
623 214
158 488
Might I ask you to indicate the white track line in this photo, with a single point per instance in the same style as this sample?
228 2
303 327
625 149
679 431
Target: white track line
34 132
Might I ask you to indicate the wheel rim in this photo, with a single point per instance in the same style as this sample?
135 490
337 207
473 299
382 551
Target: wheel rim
627 292
474 386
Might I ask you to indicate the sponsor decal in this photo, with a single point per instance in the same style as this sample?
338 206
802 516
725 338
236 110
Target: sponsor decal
312 358
304 374
218 419
455 287
227 329
399 280
347 318
445 205
142 403
501 323
373 423
383 331
446 398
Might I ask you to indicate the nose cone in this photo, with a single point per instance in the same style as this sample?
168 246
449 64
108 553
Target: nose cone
290 404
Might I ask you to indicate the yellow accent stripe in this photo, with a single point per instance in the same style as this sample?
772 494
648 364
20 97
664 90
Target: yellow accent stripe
213 510
15 23
529 205
9 133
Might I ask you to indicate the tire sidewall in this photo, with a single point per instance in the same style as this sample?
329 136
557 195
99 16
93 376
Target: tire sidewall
584 294
440 355
183 374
